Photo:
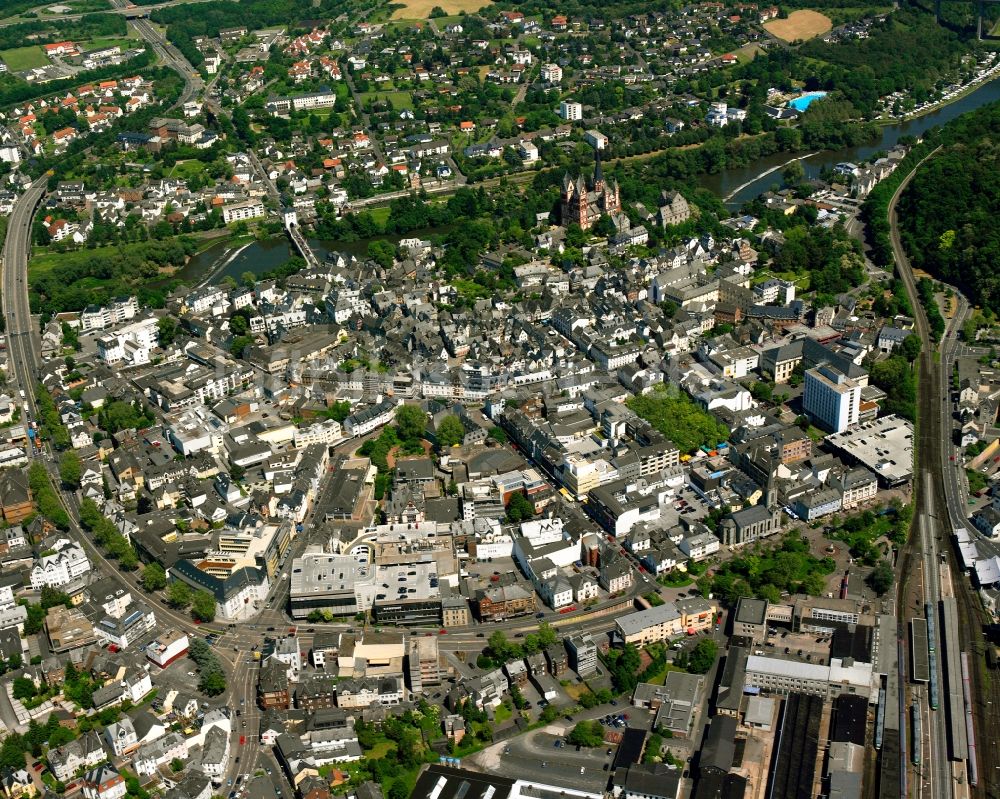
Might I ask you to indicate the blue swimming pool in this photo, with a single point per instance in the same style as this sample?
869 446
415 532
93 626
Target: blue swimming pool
802 102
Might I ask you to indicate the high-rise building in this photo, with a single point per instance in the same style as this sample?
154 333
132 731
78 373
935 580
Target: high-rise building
831 398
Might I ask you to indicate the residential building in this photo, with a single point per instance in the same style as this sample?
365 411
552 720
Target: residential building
103 782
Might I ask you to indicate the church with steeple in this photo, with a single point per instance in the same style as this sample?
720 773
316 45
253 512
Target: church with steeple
585 204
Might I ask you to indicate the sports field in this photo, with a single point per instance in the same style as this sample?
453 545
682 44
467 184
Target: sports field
19 58
421 9
799 26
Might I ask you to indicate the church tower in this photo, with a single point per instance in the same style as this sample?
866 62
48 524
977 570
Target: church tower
598 173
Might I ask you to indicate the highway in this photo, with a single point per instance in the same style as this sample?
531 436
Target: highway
172 57
117 8
940 508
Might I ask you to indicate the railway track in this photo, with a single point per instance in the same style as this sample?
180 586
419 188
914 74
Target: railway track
930 457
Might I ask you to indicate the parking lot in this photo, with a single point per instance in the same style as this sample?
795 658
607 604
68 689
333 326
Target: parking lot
542 755
807 647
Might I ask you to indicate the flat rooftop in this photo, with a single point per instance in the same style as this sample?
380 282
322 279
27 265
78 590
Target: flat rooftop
320 573
407 581
884 445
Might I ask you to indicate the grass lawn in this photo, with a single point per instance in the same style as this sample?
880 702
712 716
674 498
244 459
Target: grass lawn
380 750
380 213
100 44
660 677
675 579
399 99
815 434
502 713
187 169
19 58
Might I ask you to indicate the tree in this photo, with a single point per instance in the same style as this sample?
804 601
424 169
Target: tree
382 253
212 683
605 227
176 765
179 594
587 733
411 422
166 331
154 578
500 648
70 469
24 688
450 432
239 344
793 173
910 347
762 391
881 578
703 656
498 435
519 508
546 635
60 737
677 416
203 606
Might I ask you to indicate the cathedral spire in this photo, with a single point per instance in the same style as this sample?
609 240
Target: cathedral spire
598 174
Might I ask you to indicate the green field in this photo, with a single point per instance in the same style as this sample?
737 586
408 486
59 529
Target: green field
19 58
187 169
399 100
100 44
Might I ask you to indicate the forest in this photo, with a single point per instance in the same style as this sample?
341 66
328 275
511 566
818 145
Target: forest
947 214
76 280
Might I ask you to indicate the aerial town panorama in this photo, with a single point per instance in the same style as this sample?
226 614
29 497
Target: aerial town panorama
499 399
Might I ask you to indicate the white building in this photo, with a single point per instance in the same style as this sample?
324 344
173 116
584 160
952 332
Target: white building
372 418
121 737
99 318
67 562
831 398
596 139
570 111
699 546
125 630
167 647
237 212
103 782
325 432
552 73
779 676
131 345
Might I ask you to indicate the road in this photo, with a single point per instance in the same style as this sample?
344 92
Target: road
171 56
941 508
117 8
